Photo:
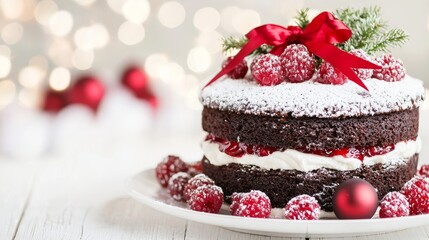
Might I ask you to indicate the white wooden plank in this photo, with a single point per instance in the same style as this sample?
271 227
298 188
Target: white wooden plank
15 187
412 233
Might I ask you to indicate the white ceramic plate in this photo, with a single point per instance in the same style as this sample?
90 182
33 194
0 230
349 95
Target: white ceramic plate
144 188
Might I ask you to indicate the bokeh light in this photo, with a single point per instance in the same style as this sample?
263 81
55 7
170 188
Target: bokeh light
171 14
12 33
245 20
61 23
207 19
60 78
136 11
40 62
82 59
155 63
60 52
31 76
116 5
131 33
227 15
6 65
7 92
212 41
84 2
12 9
92 37
29 97
199 59
5 51
44 11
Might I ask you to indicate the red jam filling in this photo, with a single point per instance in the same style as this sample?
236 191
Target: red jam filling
237 149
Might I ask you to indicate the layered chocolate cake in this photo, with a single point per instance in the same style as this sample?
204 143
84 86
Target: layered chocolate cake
307 138
322 104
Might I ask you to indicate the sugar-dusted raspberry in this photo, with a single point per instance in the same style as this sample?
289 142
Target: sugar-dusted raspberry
362 73
208 198
168 167
235 202
394 204
327 74
254 204
195 182
424 170
267 70
298 63
302 207
239 71
417 193
392 69
176 185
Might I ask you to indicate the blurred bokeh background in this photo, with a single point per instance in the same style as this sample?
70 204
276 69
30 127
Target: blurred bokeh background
50 44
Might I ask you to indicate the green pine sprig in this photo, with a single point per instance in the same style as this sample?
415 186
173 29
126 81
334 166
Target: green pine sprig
229 44
302 19
369 30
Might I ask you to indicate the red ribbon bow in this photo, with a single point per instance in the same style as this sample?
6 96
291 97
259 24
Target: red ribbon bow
319 37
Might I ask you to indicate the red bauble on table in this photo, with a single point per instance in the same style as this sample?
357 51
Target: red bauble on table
88 90
54 101
355 199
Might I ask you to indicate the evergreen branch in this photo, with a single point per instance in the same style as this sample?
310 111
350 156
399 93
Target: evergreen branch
232 43
394 37
302 19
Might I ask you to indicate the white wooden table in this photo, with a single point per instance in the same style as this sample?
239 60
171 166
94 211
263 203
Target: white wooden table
81 196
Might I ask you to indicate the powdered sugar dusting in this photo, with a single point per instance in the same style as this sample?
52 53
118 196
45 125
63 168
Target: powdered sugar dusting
313 99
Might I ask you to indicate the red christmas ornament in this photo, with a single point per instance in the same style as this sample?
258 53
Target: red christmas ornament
54 101
135 79
88 91
355 199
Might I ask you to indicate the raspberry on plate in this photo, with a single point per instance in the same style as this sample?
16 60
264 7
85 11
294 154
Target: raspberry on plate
392 69
329 75
176 185
235 202
239 71
424 170
417 193
267 70
207 198
302 207
298 63
195 182
254 204
362 73
394 204
168 167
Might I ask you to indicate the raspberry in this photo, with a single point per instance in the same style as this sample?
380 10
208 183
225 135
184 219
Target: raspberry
176 185
329 75
195 182
168 167
254 204
235 202
424 170
392 69
417 193
239 71
267 70
362 73
394 204
298 63
302 207
207 198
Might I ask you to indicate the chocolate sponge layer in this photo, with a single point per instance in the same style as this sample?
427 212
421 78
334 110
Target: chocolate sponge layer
282 185
313 133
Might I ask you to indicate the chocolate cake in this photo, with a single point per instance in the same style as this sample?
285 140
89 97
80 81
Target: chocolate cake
307 138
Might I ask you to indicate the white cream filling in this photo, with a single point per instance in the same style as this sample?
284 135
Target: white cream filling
293 159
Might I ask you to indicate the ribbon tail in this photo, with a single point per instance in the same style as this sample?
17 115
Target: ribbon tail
250 46
341 60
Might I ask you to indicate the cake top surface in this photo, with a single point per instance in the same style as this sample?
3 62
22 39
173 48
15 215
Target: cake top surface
312 99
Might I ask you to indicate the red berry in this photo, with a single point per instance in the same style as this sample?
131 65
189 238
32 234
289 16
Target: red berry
239 71
298 63
417 193
362 73
207 198
254 204
168 167
195 182
329 75
392 69
236 198
176 185
302 207
394 204
267 70
424 170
